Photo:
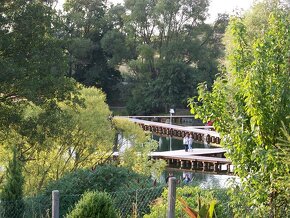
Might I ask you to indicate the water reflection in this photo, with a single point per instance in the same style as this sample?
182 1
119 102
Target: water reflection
202 180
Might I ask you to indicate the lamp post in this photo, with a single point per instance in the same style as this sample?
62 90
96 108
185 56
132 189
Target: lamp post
171 111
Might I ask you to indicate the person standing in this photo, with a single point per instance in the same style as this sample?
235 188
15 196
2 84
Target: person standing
190 141
185 142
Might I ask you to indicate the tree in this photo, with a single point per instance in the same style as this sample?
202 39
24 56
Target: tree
32 60
33 68
57 125
86 25
82 137
164 40
12 193
32 64
249 103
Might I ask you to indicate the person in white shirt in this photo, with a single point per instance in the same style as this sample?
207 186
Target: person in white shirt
190 141
185 142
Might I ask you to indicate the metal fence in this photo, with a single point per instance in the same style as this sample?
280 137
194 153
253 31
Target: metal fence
28 208
129 203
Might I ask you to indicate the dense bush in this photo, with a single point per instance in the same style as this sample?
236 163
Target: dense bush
105 178
94 204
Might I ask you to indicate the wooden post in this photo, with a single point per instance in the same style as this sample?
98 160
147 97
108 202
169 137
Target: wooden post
228 168
171 197
181 163
203 166
215 167
193 165
55 204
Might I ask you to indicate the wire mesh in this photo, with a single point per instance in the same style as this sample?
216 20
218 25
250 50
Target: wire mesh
135 203
128 203
26 208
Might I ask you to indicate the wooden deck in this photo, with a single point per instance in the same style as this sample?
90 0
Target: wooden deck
199 159
206 160
200 133
194 152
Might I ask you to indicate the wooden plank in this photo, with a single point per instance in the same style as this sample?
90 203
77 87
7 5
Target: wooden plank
197 158
195 151
176 127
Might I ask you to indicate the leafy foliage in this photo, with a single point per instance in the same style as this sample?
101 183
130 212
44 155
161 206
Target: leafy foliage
196 198
32 60
94 204
33 66
205 211
169 49
60 139
135 147
85 25
249 103
83 137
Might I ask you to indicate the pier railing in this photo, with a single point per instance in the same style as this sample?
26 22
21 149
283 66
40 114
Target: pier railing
204 134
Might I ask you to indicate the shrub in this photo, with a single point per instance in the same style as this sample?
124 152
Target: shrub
105 178
94 205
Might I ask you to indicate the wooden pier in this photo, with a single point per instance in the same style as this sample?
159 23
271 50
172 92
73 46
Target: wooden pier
202 134
204 160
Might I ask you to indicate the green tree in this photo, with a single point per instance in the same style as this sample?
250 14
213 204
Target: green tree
249 103
164 40
85 25
12 204
32 59
33 68
82 137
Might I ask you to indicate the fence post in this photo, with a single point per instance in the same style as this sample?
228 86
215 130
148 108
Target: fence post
171 197
55 204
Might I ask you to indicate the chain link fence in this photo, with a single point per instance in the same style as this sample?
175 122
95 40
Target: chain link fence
128 203
26 208
136 203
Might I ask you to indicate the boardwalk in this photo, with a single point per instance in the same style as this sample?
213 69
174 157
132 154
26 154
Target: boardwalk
200 133
206 160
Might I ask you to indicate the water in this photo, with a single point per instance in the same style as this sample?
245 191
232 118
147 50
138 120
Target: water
204 180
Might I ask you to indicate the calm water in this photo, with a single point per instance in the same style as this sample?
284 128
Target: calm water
205 180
